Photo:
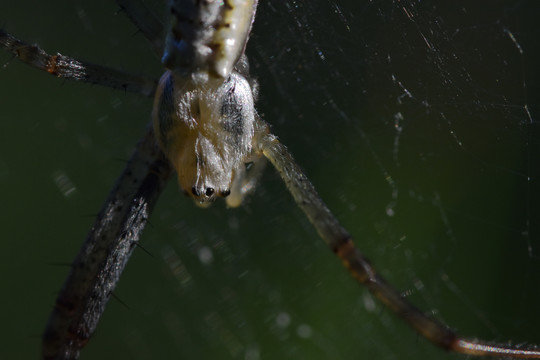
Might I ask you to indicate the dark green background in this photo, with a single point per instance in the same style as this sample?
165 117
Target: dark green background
461 177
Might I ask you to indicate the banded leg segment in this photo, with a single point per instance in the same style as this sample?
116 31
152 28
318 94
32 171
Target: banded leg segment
339 240
69 68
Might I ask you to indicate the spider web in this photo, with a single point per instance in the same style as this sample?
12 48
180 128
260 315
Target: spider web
416 122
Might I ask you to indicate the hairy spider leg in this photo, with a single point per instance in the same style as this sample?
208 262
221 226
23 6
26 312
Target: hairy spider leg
245 180
105 252
72 69
119 224
340 242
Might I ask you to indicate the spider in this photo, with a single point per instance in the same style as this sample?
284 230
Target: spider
224 91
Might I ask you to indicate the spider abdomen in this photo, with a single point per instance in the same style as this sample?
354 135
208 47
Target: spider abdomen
208 36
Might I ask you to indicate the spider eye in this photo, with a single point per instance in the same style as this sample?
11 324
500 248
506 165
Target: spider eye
195 191
209 192
225 193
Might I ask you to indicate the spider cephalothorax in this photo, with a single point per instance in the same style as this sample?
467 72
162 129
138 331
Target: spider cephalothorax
206 131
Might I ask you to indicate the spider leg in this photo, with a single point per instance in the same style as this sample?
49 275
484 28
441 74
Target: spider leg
69 68
146 21
245 181
340 242
101 259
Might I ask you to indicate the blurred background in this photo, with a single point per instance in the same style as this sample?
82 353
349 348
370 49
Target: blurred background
416 121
